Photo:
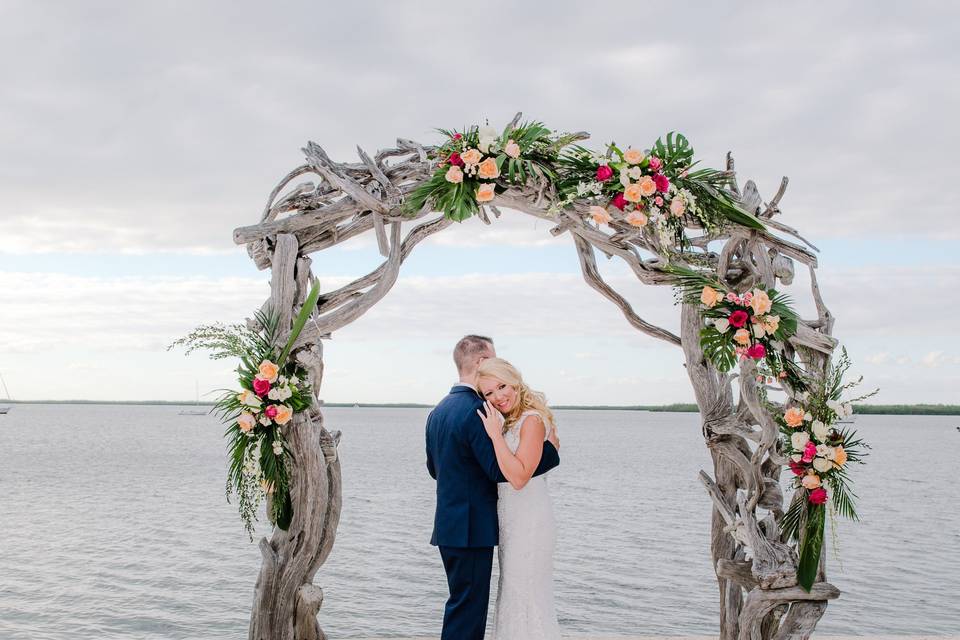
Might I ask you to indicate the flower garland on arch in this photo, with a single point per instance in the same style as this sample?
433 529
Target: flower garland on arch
657 187
821 453
755 325
272 389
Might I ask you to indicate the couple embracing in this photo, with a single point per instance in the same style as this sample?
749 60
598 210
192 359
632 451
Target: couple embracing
490 442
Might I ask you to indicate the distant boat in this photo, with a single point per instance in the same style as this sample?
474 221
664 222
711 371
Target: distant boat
196 403
4 410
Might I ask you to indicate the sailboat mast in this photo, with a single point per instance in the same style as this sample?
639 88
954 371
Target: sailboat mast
4 383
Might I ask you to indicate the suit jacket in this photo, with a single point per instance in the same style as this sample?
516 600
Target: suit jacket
460 457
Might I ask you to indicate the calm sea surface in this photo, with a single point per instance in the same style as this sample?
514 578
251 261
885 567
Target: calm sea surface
115 526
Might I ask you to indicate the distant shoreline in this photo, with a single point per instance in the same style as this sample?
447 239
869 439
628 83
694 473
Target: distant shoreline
863 409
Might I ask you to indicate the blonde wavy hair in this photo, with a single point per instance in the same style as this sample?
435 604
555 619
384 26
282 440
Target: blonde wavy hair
527 398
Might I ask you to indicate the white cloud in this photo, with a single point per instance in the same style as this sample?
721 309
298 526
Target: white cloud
136 146
878 358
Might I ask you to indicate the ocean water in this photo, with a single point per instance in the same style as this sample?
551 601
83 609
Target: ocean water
115 526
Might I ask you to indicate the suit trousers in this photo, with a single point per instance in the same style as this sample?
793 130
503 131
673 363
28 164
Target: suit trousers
468 578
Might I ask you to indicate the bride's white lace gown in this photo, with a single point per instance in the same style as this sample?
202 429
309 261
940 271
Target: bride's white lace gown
525 608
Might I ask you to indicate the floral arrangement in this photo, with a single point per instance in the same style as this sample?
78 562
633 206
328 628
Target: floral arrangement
820 456
655 188
479 162
272 389
751 325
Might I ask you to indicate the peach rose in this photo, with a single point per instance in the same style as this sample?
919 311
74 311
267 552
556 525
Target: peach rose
488 169
839 456
760 302
512 149
636 218
793 417
454 174
246 422
742 336
771 324
284 413
810 481
486 193
600 215
633 193
471 156
710 296
677 207
268 371
647 186
633 156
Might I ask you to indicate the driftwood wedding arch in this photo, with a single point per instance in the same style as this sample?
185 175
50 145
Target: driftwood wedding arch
755 566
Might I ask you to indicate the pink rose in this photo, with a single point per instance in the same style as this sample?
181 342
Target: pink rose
457 136
757 351
455 159
655 163
271 412
261 387
658 201
797 468
738 318
619 201
809 452
818 495
731 296
604 173
662 182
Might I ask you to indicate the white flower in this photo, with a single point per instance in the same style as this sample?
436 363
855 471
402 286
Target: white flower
835 406
796 457
283 393
248 398
582 188
721 324
624 177
822 465
635 172
277 447
847 409
274 394
820 430
488 136
808 416
824 451
282 380
294 380
799 440
265 421
758 330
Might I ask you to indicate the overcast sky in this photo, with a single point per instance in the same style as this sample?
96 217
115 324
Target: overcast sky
135 136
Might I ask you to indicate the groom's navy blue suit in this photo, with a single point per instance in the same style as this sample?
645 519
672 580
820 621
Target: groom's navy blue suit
461 459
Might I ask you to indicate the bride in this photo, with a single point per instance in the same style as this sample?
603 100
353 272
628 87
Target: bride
518 420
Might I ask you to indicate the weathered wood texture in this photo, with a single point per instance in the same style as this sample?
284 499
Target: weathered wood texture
755 567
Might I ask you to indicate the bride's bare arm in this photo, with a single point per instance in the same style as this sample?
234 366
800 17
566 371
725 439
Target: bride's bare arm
517 467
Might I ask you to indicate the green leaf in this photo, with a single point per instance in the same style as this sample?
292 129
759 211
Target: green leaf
308 306
811 546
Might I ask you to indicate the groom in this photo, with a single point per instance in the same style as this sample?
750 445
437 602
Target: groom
461 459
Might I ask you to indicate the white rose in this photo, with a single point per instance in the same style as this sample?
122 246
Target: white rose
488 136
822 465
847 409
282 380
624 177
808 416
823 451
758 331
721 325
820 430
284 393
835 406
635 172
799 440
274 394
796 457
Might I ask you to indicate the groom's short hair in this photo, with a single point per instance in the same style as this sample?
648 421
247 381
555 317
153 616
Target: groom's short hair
468 348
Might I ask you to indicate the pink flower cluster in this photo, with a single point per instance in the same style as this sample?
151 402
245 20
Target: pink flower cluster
748 315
